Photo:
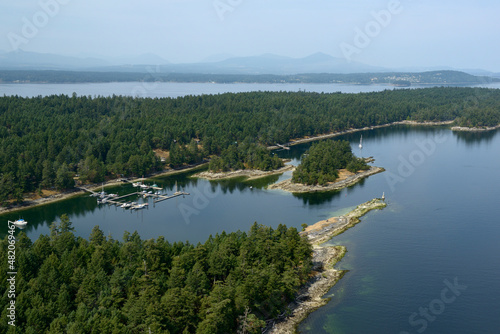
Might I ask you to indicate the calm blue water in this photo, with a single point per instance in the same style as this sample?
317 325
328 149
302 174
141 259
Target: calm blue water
441 224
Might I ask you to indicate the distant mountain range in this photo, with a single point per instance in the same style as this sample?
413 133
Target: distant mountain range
222 65
264 64
273 64
19 59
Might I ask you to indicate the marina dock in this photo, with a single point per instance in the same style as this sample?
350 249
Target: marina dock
114 199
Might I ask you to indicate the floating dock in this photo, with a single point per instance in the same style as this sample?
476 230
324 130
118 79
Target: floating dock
111 199
161 198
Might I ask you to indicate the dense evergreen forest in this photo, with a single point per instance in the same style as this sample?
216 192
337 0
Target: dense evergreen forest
46 141
321 162
235 281
147 75
243 156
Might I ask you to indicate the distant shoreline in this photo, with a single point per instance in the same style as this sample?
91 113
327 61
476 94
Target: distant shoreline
207 73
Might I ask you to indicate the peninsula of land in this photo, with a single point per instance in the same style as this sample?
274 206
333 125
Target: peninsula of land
249 174
346 179
325 276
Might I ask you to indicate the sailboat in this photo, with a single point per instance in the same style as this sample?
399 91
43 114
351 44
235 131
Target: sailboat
361 142
103 193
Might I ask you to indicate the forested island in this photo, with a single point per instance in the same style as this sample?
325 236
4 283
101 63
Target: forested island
327 166
232 282
322 161
54 142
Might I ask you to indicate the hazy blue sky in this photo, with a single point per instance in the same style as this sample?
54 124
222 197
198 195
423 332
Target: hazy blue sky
457 33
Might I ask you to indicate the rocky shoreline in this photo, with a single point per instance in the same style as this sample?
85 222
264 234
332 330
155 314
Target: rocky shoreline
250 174
287 185
466 129
310 296
324 230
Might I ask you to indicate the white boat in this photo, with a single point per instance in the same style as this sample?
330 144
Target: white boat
144 186
361 142
125 205
20 222
139 206
136 184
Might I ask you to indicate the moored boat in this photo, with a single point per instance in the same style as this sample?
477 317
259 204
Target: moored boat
19 223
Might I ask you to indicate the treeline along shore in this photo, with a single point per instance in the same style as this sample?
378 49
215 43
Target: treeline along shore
54 142
233 282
